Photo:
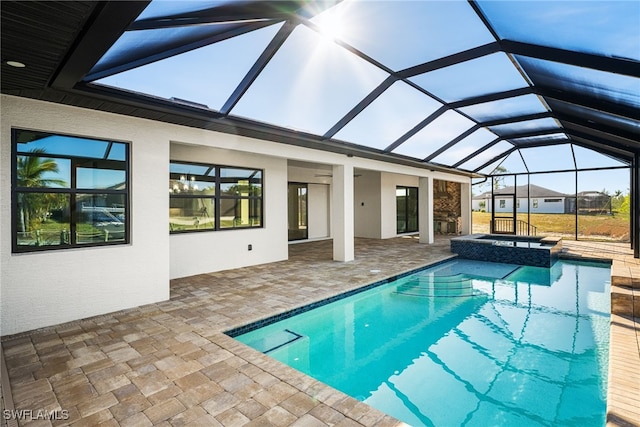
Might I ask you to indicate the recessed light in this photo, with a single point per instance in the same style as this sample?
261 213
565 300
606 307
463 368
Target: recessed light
16 64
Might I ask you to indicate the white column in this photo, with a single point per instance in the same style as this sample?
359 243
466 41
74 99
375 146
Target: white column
425 209
342 206
465 207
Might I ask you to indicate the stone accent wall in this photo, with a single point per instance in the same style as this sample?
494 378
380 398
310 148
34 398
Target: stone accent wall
447 207
446 198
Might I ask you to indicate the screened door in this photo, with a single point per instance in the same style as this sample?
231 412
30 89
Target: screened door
503 214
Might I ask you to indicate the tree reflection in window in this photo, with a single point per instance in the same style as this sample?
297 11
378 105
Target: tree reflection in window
68 191
211 197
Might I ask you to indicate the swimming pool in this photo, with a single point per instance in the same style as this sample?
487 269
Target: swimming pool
462 343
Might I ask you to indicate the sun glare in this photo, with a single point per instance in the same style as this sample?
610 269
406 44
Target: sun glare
331 24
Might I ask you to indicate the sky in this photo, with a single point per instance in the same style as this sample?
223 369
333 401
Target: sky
312 81
89 178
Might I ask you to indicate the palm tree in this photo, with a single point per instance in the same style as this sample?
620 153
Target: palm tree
31 171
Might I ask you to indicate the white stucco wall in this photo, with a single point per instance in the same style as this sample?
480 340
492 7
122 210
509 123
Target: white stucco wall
318 210
195 253
367 204
45 288
543 207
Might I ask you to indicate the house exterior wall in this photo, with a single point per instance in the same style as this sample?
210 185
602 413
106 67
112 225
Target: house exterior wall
368 205
40 289
477 205
551 205
319 211
548 206
44 288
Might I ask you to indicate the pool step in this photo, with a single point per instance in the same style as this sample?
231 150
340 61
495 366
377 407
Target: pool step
438 286
275 340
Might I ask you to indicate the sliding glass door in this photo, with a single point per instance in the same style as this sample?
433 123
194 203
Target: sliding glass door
297 211
406 209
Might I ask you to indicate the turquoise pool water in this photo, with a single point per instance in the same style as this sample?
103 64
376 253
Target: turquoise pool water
463 343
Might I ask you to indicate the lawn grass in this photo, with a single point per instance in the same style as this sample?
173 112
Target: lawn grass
597 227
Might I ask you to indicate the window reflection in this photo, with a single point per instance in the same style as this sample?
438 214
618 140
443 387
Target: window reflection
36 171
238 213
42 219
211 197
100 218
69 191
101 178
195 213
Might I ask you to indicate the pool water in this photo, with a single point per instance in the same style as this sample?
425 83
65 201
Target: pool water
463 343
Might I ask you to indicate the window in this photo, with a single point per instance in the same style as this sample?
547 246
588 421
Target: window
503 203
518 203
552 200
68 191
207 197
535 203
406 209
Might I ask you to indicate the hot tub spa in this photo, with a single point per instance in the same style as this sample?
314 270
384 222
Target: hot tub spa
522 250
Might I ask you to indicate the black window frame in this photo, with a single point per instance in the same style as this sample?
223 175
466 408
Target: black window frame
218 195
407 216
71 239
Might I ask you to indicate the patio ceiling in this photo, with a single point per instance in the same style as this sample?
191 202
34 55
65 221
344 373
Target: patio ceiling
457 84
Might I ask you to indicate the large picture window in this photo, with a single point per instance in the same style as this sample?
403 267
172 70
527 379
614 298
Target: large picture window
68 191
209 197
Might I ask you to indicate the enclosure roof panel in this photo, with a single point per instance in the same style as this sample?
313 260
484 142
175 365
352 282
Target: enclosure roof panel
449 85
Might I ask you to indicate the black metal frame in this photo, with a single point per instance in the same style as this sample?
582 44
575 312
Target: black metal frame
634 169
306 186
72 191
406 208
71 83
217 197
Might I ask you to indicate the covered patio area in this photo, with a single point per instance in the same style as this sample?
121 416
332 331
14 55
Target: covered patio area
170 363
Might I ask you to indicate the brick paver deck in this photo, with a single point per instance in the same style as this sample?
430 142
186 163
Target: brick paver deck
170 364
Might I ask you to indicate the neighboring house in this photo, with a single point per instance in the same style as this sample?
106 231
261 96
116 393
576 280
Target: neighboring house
594 202
542 200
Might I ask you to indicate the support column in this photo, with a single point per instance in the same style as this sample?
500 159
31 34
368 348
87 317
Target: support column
465 207
425 209
342 207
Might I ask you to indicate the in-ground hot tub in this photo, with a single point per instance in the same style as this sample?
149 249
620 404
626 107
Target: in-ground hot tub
521 250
